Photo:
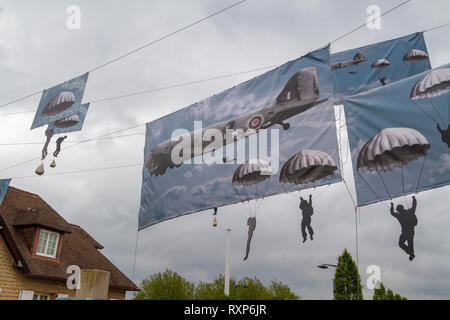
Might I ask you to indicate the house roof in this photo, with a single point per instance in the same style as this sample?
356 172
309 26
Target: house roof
20 209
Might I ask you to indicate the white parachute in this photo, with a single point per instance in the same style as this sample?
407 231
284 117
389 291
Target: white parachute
434 84
391 148
252 173
59 103
380 63
415 55
307 166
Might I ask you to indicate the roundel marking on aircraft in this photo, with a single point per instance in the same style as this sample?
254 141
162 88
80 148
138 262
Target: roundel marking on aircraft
255 122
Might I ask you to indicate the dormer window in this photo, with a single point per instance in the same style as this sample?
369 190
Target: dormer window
47 244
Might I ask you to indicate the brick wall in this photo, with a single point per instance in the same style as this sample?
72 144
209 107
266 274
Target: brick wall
12 281
28 235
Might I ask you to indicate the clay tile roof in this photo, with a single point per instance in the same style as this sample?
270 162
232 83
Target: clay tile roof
41 216
78 247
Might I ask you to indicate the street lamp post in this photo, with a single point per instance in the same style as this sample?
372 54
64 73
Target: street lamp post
326 266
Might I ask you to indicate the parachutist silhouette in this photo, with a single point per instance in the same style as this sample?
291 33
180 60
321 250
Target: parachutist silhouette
251 222
382 81
49 134
445 134
408 221
307 212
58 146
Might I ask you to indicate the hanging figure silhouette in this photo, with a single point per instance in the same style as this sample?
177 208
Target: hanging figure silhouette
408 221
307 212
445 134
251 222
49 135
58 146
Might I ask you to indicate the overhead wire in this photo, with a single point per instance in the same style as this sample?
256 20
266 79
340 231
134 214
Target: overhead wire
377 17
76 144
141 47
178 85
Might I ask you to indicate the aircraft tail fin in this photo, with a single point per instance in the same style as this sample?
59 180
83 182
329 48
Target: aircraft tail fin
302 87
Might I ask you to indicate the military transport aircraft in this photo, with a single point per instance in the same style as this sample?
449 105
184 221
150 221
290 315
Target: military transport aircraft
299 94
358 58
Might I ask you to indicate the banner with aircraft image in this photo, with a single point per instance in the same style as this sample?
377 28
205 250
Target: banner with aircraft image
269 135
399 136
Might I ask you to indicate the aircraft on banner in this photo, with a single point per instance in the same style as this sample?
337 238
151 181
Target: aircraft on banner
299 94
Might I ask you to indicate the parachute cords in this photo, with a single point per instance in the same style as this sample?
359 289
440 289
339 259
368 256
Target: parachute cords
403 188
382 180
262 196
368 185
435 110
432 119
421 171
285 190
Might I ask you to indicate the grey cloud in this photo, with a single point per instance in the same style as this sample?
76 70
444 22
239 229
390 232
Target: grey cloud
42 52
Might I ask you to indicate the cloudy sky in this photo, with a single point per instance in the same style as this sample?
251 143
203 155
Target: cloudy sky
37 51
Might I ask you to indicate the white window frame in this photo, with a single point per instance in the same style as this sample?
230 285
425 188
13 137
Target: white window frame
26 295
39 295
46 244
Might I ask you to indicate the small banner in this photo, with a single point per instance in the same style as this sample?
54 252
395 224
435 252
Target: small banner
61 101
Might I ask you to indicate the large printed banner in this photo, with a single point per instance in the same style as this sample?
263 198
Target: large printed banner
4 183
372 66
272 134
61 101
399 136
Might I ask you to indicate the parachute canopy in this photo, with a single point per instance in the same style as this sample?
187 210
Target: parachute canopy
252 172
70 123
307 166
415 55
392 148
433 84
380 63
59 103
67 121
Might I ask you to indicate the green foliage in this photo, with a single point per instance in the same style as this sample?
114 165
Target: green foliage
165 286
171 286
281 291
382 294
213 290
347 282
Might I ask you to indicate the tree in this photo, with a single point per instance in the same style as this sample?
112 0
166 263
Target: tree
171 286
244 289
214 290
251 289
165 286
347 282
281 291
382 294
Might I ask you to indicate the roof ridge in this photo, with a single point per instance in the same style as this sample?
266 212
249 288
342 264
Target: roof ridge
23 191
